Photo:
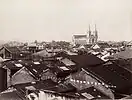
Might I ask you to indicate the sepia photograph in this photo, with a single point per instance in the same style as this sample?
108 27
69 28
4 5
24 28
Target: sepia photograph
65 49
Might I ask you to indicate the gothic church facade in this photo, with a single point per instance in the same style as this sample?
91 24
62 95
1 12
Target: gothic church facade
91 37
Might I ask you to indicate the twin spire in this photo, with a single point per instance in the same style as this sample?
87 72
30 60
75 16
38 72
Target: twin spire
92 37
94 30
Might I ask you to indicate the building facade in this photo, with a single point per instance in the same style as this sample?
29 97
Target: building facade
91 37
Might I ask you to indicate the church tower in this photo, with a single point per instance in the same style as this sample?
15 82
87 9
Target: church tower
96 34
89 35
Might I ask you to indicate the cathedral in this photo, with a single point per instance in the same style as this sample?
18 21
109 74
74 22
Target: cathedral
91 37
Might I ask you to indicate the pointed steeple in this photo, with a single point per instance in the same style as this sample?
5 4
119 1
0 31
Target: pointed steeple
89 35
89 31
95 29
96 34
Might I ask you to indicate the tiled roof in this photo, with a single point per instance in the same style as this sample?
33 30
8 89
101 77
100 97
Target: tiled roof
103 45
63 88
88 46
93 93
13 95
13 49
127 64
127 54
112 75
43 53
46 84
86 60
82 60
36 68
58 68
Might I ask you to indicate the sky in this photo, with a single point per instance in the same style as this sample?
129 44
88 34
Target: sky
47 20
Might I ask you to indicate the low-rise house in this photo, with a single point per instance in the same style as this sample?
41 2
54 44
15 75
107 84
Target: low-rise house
95 47
11 94
32 49
81 47
35 47
86 60
127 54
48 74
80 39
9 52
22 76
43 53
129 44
40 46
125 63
23 71
14 53
80 60
88 46
12 67
104 45
118 78
83 80
93 93
48 90
60 69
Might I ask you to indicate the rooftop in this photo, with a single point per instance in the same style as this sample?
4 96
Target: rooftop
79 36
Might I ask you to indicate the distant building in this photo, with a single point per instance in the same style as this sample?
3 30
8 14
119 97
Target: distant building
14 53
83 80
129 44
80 39
88 38
9 52
32 47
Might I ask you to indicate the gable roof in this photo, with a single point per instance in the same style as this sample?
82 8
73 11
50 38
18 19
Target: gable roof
130 43
43 53
38 85
124 54
13 64
13 95
96 46
82 47
86 60
126 64
88 45
82 60
22 76
59 68
61 54
36 68
112 75
63 88
48 86
103 45
13 49
93 92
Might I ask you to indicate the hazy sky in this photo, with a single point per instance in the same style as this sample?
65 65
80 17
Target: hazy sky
59 19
